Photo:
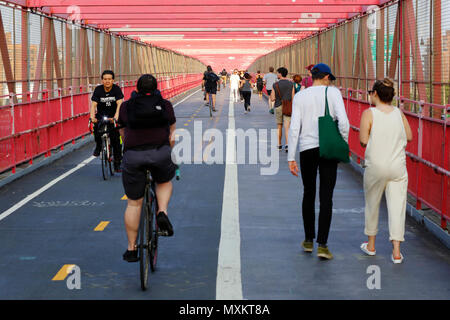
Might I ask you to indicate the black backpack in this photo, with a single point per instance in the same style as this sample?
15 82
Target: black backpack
211 79
146 111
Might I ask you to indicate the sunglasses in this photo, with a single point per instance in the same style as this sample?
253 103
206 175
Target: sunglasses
371 91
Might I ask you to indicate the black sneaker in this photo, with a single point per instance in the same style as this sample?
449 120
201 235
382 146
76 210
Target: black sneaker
96 152
131 256
165 227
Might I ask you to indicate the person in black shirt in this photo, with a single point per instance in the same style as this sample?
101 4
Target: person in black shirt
106 101
148 124
210 83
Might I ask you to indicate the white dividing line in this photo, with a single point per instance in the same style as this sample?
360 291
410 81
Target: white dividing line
186 98
44 188
228 283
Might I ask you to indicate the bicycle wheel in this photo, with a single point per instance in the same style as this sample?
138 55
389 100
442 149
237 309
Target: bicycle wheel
104 160
111 172
153 209
210 105
144 244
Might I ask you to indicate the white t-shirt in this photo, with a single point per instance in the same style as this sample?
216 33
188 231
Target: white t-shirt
270 78
307 106
234 81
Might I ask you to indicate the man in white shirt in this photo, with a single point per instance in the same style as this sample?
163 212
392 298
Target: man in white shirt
307 106
269 79
234 85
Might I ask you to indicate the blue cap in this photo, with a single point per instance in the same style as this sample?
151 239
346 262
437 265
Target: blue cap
322 67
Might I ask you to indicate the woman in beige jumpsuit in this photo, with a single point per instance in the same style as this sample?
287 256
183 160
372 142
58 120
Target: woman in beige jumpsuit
385 131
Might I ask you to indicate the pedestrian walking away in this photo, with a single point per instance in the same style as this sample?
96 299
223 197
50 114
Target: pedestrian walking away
282 93
259 83
246 89
308 81
297 79
234 85
384 133
268 80
308 105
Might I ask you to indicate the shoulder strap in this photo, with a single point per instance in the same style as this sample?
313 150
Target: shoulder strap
278 89
327 110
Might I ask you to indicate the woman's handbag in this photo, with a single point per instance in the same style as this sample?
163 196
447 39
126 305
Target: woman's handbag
331 144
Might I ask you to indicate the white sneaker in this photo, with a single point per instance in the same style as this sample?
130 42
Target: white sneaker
397 261
366 251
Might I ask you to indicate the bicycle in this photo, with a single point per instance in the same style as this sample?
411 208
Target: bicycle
106 158
149 231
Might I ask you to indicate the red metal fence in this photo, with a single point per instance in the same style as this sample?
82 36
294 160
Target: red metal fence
35 128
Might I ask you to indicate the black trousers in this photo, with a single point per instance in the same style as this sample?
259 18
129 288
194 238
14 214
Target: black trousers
310 161
246 95
114 137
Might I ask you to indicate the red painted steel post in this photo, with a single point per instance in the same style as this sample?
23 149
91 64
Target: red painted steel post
419 164
446 166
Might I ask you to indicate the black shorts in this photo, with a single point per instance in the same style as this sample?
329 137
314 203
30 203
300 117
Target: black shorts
269 92
260 87
212 90
135 164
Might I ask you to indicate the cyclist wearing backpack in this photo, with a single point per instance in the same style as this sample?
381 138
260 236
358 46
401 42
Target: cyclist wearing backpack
210 83
148 125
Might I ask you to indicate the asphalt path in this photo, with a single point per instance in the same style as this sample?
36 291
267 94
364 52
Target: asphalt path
237 231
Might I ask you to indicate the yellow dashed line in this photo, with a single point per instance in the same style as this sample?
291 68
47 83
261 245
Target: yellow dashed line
101 226
124 197
63 272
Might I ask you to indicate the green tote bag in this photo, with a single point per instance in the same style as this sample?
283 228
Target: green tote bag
331 144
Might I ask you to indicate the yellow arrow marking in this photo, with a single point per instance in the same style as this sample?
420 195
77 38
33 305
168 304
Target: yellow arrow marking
124 197
101 226
63 272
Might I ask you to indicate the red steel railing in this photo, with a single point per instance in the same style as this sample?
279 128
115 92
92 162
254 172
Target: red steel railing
35 128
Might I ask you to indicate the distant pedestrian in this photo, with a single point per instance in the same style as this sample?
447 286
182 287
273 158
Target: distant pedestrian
234 85
241 77
269 79
308 105
282 90
297 83
246 89
259 83
384 132
307 81
211 84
